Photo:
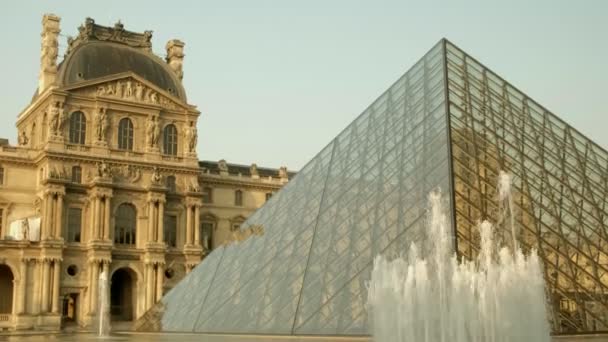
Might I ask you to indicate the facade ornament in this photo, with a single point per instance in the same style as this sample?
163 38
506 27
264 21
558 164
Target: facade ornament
23 140
139 91
129 90
103 171
222 165
25 229
253 170
194 186
127 173
54 119
156 178
191 138
101 124
283 172
118 92
37 205
91 31
152 131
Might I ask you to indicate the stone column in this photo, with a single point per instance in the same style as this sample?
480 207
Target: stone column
197 225
23 287
150 221
149 285
37 286
49 51
59 217
47 227
188 224
93 286
160 225
46 265
160 276
56 284
106 216
95 220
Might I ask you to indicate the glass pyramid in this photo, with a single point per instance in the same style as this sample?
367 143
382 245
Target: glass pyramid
448 123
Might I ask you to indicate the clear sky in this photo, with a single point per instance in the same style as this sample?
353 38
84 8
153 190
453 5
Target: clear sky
277 80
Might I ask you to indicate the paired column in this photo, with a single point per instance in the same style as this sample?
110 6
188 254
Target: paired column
149 269
46 270
160 276
156 210
106 216
188 225
56 284
23 286
101 216
58 198
160 225
197 225
94 278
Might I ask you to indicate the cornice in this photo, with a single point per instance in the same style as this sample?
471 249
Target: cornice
239 182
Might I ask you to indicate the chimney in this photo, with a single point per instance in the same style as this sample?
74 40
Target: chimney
49 51
175 56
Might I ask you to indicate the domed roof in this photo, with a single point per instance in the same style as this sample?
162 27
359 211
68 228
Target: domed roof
98 59
101 51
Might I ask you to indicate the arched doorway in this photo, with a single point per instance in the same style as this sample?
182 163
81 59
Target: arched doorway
122 295
6 289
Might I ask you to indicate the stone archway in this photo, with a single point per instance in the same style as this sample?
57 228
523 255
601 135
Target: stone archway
123 294
6 289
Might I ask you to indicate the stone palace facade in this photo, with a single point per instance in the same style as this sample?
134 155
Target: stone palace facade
106 178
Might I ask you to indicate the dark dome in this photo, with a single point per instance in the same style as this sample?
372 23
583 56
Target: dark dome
96 59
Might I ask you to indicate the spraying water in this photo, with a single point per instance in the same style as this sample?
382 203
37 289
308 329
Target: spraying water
103 306
497 298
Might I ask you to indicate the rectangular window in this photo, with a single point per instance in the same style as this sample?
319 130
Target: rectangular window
206 235
207 195
268 195
1 223
170 230
74 224
1 176
76 174
238 198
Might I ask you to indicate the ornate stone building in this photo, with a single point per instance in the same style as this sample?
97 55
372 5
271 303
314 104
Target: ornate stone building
105 178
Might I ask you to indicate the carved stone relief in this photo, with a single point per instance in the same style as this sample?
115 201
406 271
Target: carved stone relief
131 90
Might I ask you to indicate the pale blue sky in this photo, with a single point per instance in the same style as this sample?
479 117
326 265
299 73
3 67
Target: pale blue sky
276 80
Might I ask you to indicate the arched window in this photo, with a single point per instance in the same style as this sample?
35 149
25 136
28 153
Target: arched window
238 198
125 134
170 140
126 225
78 128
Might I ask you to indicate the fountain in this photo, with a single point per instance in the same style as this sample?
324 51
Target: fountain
103 309
499 297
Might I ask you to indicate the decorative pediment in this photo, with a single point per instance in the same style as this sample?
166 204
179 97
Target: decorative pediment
131 88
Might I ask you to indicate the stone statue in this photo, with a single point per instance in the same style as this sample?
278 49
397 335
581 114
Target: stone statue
129 90
101 124
103 170
110 89
63 118
49 52
156 177
54 118
139 91
152 131
118 92
283 172
222 166
194 186
25 229
154 97
253 170
23 138
191 137
101 91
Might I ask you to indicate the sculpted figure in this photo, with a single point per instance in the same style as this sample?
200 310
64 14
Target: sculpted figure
25 229
154 97
101 91
110 89
103 170
156 134
54 121
150 131
63 117
119 89
101 124
23 138
129 90
191 137
253 169
283 172
222 165
139 91
156 177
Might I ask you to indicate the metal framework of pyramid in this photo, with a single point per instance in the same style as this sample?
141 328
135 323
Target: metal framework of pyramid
448 123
